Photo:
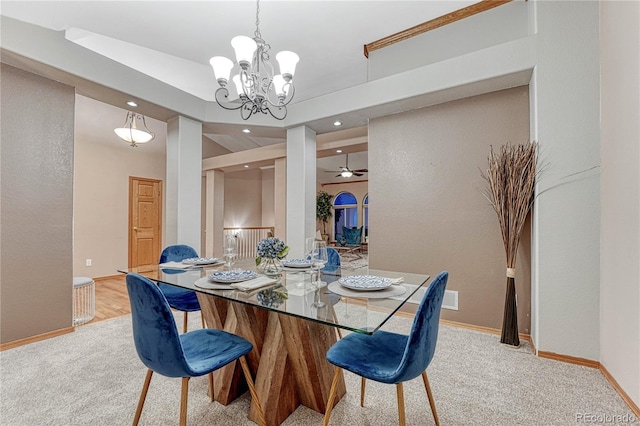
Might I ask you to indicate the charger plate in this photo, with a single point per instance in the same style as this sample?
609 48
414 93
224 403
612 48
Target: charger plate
391 291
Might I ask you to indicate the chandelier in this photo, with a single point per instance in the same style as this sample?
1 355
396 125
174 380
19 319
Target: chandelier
130 132
259 89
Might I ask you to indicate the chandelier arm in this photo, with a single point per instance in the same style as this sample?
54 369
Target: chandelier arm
286 100
280 111
222 98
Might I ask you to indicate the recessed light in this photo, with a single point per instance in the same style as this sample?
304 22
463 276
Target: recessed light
246 166
337 123
132 104
338 151
246 131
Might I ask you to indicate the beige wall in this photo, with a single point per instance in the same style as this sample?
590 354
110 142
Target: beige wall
359 189
37 204
243 198
620 192
103 164
429 213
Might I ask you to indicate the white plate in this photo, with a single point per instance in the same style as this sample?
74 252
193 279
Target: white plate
200 261
232 276
365 282
391 291
297 263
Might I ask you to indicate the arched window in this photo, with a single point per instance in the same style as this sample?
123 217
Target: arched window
365 217
345 209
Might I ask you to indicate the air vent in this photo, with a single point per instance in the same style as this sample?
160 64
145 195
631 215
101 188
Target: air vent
450 300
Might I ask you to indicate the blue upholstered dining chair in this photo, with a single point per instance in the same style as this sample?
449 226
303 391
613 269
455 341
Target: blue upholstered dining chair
330 273
390 357
179 298
167 352
353 237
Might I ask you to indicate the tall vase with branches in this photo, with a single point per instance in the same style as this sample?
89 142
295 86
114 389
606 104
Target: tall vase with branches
511 176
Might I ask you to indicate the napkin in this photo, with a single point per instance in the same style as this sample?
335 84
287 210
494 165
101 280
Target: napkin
397 280
175 265
253 284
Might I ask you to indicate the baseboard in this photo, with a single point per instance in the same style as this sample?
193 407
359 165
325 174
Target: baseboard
570 359
634 407
37 338
109 277
491 330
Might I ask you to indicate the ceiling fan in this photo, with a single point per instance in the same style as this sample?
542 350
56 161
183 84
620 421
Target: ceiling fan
346 172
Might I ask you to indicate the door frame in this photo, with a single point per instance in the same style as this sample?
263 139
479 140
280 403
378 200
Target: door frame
130 214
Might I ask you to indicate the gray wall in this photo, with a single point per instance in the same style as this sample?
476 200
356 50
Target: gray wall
424 168
37 205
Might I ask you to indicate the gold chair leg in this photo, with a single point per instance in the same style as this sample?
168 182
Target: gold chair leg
430 395
143 396
252 390
184 327
183 401
401 419
202 318
332 396
339 333
211 386
363 382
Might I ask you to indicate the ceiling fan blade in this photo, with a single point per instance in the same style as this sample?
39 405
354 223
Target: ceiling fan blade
360 171
332 171
357 174
338 175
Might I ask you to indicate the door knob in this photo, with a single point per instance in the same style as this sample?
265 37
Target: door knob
135 228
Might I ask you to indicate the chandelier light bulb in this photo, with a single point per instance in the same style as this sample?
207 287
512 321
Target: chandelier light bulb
221 69
280 85
245 47
287 61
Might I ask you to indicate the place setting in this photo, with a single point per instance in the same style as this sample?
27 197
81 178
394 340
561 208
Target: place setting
236 279
369 286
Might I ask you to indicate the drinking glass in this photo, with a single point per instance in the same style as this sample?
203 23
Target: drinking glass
319 258
230 249
308 247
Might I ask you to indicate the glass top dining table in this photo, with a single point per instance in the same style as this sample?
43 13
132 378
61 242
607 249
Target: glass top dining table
299 293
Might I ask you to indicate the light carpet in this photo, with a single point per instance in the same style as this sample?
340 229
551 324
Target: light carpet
94 377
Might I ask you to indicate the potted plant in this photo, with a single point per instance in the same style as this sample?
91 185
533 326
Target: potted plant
323 210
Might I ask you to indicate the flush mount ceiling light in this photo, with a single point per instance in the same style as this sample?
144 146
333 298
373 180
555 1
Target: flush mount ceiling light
259 89
130 132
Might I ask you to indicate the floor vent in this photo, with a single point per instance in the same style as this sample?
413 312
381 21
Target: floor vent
450 300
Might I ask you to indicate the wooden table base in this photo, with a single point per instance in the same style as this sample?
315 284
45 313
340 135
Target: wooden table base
288 360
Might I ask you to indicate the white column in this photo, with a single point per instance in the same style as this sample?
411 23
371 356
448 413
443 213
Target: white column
280 198
214 224
183 182
301 188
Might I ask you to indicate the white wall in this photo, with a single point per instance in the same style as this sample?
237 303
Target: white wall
620 193
566 230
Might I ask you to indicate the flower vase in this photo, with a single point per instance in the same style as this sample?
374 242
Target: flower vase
271 267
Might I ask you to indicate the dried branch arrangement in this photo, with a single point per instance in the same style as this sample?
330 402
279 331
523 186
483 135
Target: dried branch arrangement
511 177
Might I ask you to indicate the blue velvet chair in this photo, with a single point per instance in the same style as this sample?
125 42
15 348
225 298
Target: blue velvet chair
331 273
178 298
353 237
390 357
167 352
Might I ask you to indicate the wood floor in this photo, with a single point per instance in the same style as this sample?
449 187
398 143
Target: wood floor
112 299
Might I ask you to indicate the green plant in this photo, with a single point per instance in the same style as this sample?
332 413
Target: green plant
323 209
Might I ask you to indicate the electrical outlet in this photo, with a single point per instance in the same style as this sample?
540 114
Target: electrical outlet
87 262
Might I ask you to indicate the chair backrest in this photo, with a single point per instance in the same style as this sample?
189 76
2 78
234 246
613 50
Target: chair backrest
177 253
353 237
333 262
423 336
155 333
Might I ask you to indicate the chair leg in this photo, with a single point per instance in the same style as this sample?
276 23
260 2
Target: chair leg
363 382
183 401
430 395
252 390
211 386
143 396
184 326
202 318
401 419
332 396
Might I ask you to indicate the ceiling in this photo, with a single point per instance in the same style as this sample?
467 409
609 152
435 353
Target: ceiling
172 41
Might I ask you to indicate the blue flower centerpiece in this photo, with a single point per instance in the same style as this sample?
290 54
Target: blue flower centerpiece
270 251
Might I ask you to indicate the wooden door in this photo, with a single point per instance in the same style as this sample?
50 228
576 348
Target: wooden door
145 221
